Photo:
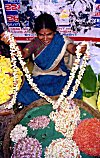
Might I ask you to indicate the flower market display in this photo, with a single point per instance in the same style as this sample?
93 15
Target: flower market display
53 142
48 131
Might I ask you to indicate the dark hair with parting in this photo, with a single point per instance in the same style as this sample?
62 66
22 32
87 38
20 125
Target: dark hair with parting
46 21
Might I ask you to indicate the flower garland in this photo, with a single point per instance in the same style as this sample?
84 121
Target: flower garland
14 67
72 75
16 52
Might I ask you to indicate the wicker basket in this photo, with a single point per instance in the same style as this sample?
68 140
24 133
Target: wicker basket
18 117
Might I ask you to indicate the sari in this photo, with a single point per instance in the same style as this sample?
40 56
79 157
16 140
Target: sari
46 59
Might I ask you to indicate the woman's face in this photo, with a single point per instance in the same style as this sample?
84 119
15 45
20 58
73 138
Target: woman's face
45 35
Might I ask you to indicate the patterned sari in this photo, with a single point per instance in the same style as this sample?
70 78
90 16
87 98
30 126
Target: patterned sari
46 59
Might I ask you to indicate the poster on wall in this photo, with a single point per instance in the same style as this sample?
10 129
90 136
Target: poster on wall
10 9
78 19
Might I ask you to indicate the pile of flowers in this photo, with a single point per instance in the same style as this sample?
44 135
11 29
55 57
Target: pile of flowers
66 118
62 148
27 147
6 79
39 122
17 134
87 136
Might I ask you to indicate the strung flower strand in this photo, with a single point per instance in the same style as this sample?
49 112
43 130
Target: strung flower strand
15 75
16 52
81 72
72 75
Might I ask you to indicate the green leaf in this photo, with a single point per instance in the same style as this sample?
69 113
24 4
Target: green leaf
99 77
89 80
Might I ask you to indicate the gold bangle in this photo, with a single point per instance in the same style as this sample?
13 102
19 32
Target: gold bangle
26 49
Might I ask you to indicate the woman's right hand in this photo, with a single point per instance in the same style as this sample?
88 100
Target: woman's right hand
5 38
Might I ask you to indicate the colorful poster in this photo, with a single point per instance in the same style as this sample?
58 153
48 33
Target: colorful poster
11 16
78 19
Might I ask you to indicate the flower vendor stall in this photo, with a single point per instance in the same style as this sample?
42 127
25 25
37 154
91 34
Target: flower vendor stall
56 126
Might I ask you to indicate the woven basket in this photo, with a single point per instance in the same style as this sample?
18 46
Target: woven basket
19 116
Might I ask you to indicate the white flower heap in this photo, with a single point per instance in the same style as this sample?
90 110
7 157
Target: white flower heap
18 132
66 118
16 52
62 148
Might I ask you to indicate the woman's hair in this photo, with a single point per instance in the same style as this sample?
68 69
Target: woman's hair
46 21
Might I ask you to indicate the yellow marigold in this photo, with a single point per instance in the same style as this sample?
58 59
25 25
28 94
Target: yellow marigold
98 101
6 79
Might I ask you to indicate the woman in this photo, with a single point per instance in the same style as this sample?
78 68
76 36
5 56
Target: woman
47 49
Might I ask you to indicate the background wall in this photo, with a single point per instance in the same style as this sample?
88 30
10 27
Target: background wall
75 18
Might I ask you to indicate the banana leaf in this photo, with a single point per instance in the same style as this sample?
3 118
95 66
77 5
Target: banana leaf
89 82
99 77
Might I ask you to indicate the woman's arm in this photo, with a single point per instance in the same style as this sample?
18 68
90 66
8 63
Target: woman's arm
25 52
72 48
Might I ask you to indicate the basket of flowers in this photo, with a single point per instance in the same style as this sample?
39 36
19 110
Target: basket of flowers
42 132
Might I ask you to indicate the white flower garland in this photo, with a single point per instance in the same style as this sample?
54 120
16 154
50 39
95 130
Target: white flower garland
15 81
72 74
16 52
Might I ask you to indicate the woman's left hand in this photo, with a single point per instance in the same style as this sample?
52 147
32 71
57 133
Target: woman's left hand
83 48
5 38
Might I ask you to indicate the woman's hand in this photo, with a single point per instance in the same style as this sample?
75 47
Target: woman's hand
5 38
83 48
72 48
